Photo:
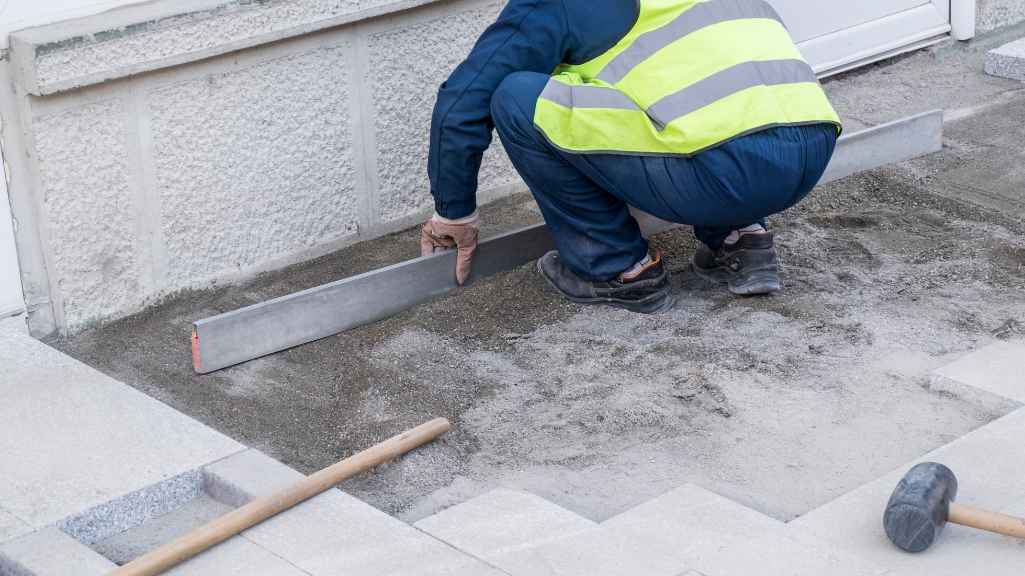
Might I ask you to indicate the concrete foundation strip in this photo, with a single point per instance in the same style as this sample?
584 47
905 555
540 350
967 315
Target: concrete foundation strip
282 323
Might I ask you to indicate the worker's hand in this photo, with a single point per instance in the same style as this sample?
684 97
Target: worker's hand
440 234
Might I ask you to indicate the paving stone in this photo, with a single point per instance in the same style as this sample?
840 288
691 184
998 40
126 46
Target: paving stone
246 475
501 521
50 552
779 555
989 463
11 527
691 522
112 440
666 535
335 533
600 552
236 557
998 368
1007 61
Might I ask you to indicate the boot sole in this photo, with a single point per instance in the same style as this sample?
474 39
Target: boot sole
654 304
759 283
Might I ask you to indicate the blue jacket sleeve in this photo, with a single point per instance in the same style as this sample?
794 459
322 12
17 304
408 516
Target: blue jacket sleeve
529 35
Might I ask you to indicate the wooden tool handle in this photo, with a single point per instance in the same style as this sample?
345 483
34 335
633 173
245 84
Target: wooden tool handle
260 509
988 521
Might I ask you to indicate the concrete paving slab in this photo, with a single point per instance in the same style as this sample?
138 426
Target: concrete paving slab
1007 61
237 557
246 475
663 536
691 520
998 368
595 553
11 527
75 438
989 463
779 555
50 552
335 533
501 521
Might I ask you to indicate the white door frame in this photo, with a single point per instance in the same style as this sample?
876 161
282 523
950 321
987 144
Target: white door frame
11 300
912 25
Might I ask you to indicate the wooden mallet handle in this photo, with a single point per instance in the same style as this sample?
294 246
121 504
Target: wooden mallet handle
985 520
260 509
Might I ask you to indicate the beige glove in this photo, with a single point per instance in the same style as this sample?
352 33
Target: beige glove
440 234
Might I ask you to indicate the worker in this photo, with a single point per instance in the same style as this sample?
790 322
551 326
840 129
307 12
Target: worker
698 112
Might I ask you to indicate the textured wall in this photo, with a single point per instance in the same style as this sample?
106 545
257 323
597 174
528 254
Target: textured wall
89 209
145 36
993 14
254 164
408 65
220 168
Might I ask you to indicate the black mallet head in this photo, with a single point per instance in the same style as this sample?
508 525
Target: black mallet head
918 509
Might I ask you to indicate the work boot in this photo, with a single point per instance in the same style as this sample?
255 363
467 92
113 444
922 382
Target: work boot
748 266
644 289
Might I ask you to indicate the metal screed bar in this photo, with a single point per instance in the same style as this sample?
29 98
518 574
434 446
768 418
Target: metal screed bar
288 321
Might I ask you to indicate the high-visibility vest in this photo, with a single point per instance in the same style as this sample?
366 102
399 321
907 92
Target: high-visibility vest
690 75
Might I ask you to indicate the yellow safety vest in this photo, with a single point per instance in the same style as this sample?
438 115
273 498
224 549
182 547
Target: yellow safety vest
690 75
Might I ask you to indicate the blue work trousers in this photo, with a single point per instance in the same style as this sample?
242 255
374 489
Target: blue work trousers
584 197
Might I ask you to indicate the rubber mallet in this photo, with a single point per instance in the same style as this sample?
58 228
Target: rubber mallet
923 503
218 530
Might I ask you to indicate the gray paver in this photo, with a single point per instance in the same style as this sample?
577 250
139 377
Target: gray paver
779 555
1007 61
990 464
600 552
236 557
246 475
665 535
11 527
501 521
335 533
51 552
75 438
692 522
998 368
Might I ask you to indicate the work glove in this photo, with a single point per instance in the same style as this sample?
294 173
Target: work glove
441 234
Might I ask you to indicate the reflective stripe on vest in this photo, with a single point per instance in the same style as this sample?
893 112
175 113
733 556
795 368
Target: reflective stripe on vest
690 75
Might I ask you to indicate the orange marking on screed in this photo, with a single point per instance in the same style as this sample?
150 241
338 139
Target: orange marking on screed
195 350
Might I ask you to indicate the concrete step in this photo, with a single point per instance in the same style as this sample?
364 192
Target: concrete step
665 536
990 465
503 521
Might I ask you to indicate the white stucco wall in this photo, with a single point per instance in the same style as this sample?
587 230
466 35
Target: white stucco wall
10 283
226 164
18 14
